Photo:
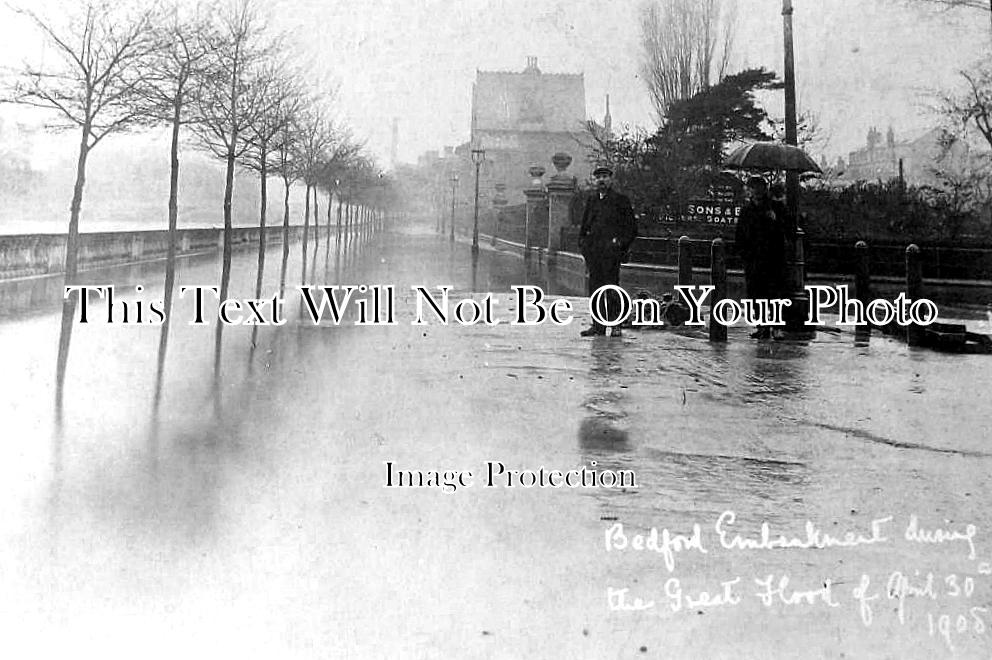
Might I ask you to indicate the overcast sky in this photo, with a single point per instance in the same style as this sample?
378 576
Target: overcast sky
859 62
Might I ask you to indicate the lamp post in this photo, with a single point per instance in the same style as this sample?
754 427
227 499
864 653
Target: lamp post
454 185
795 320
478 155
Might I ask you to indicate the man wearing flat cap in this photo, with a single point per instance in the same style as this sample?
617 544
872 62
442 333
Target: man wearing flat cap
608 229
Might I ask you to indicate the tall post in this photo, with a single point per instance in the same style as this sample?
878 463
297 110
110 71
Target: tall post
718 278
499 203
478 155
795 318
914 291
561 189
862 286
791 133
536 198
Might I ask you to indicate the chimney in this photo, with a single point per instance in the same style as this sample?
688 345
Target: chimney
532 65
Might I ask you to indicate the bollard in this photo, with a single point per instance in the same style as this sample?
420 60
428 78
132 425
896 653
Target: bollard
685 261
862 273
914 291
718 278
862 286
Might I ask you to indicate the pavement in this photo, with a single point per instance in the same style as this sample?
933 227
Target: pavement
256 523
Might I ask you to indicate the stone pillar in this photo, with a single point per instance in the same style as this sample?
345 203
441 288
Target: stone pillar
561 189
537 198
499 203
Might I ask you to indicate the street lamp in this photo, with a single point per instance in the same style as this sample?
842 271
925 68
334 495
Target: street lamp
478 155
454 185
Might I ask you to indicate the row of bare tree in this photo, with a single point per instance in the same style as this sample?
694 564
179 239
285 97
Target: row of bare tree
219 78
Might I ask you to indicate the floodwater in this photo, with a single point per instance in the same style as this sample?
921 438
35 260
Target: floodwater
246 515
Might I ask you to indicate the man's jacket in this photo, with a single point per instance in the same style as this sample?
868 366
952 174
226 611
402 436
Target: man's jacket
608 226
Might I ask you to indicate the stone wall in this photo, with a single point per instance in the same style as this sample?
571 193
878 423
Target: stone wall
25 255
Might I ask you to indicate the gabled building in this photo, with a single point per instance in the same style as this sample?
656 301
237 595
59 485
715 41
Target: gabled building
879 159
523 118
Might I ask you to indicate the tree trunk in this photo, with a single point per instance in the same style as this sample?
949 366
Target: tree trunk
316 237
285 238
306 234
225 273
262 204
170 255
71 256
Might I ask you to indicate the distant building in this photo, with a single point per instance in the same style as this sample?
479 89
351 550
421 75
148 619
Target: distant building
523 118
879 159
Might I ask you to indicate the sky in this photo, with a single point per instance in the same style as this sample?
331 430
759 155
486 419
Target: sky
858 63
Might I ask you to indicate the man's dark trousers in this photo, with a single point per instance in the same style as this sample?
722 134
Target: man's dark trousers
603 270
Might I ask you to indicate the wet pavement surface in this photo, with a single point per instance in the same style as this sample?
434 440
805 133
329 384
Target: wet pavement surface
249 515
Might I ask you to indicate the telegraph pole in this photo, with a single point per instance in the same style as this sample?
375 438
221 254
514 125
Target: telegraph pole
795 320
791 137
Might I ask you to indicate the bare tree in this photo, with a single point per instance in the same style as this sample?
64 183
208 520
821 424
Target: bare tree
966 117
281 100
686 47
165 84
229 104
335 162
91 89
287 167
984 6
316 136
971 108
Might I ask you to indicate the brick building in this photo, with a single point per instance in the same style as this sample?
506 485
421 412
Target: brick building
522 119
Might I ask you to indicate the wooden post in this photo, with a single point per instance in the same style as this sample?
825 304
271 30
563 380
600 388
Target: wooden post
862 286
685 261
718 278
914 291
862 273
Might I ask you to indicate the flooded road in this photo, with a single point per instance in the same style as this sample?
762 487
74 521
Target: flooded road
247 514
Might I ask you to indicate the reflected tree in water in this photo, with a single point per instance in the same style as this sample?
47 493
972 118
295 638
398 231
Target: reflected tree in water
88 84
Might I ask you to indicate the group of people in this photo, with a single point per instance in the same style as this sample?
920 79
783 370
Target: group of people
763 231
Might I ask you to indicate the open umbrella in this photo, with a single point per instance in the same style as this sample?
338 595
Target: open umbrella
771 156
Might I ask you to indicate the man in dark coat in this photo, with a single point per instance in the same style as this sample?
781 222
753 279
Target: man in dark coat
760 241
608 229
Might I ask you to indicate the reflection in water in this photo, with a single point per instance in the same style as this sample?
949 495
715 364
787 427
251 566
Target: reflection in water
316 239
65 335
602 433
327 243
775 370
598 434
260 266
225 283
862 336
163 338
